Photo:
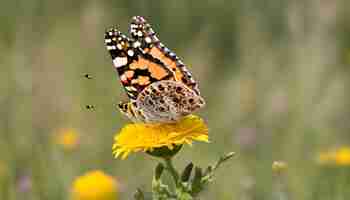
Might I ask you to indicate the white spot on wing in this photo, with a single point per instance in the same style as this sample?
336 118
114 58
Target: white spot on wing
148 39
136 44
108 40
130 52
130 88
110 47
155 38
123 77
120 61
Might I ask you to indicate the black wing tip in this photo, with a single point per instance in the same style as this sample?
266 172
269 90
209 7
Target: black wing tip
140 28
113 33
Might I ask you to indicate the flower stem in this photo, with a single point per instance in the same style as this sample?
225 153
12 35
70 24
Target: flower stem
170 167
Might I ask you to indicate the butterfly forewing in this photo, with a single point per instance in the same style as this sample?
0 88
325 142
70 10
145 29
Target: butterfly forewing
146 40
135 69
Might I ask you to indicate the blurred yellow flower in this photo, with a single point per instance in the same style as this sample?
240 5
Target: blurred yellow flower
94 185
326 157
339 156
147 137
279 166
67 138
3 169
342 156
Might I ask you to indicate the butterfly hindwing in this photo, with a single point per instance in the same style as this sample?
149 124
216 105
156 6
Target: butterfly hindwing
168 101
147 41
135 69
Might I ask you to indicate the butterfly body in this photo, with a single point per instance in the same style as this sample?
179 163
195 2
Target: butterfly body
158 84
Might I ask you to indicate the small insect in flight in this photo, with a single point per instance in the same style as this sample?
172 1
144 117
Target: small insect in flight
88 76
90 107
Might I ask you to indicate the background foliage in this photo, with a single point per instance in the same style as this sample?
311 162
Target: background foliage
275 75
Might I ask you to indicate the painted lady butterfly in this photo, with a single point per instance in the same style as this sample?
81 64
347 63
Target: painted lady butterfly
158 84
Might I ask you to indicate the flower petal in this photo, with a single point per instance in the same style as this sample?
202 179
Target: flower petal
146 137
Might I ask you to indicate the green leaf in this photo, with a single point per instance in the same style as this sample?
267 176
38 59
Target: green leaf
185 196
159 171
197 181
139 195
222 159
186 173
209 172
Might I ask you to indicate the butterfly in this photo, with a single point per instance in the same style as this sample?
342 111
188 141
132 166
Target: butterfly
160 87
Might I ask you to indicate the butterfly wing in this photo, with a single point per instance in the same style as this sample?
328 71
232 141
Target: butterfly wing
147 41
168 101
135 69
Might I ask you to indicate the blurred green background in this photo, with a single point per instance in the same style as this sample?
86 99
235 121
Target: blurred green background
275 75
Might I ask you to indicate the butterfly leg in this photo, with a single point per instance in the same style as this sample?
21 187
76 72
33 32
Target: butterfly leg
126 109
130 110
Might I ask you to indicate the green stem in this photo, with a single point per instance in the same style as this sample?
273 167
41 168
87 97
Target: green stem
170 167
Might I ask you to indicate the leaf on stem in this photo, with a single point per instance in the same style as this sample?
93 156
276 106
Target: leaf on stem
159 171
197 180
186 173
222 159
139 195
209 172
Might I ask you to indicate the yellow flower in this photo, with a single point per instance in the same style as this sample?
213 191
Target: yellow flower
68 139
94 185
3 169
342 156
148 137
279 166
326 157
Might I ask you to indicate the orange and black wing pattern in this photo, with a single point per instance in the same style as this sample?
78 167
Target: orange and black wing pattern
136 69
146 40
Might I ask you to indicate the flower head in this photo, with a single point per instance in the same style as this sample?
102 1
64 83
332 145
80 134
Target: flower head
279 166
339 156
67 138
94 185
148 137
326 157
3 169
342 156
